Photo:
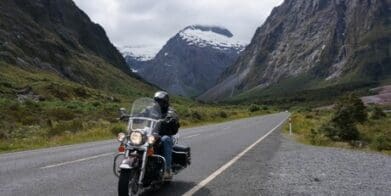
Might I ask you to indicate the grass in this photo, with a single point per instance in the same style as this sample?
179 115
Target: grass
304 123
56 111
375 134
285 94
85 122
41 109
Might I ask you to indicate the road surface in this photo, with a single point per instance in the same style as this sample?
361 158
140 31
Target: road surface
86 169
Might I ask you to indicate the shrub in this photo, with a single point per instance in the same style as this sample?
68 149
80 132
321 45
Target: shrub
254 108
337 133
328 130
223 114
65 126
96 103
14 107
25 132
184 123
317 138
377 113
349 111
382 141
353 106
182 110
57 130
3 134
81 92
309 116
196 115
117 128
348 132
75 125
61 114
32 105
30 120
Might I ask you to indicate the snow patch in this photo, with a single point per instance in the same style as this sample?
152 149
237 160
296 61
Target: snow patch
208 38
140 52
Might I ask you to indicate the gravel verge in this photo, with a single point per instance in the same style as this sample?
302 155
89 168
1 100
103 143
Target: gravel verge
280 166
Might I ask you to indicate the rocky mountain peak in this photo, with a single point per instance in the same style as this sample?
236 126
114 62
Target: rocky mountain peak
314 43
214 29
191 61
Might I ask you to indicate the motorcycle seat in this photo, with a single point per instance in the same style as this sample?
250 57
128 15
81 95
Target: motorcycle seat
181 148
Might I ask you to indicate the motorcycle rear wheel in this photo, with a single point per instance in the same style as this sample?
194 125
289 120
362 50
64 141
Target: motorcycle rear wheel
128 183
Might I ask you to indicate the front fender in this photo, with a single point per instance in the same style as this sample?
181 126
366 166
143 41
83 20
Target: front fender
129 163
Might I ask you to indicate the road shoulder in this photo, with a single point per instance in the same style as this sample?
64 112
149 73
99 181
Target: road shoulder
279 166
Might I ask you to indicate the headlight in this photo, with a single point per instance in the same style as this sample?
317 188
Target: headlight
136 137
121 137
151 139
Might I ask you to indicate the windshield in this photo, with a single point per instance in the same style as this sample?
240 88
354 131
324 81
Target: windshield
144 113
146 108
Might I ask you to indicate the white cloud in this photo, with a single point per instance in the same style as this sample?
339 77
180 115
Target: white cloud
151 22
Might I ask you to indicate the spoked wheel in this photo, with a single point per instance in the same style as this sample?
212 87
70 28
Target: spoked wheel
128 183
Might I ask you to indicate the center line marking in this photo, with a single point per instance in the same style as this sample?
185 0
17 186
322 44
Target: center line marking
190 136
229 163
77 160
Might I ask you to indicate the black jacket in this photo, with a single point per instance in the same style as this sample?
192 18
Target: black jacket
170 123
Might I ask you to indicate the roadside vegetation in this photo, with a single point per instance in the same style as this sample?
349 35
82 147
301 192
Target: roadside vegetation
32 124
348 124
42 110
288 95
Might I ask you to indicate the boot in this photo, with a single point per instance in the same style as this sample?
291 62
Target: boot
167 174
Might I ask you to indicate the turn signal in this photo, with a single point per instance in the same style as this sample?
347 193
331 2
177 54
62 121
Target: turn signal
150 151
121 148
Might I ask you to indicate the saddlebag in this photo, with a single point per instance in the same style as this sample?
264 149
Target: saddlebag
181 155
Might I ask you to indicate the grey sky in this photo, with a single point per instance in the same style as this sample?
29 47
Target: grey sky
146 22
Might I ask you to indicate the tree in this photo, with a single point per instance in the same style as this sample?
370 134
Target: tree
349 110
352 105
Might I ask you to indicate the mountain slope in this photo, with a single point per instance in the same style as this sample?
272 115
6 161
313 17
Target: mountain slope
191 61
309 45
55 37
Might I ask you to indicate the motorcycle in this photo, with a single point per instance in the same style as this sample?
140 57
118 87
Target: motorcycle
139 163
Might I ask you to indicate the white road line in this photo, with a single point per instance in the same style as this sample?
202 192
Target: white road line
190 136
78 160
226 125
228 164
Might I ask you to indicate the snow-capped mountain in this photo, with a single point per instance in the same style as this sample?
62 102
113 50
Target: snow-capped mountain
140 52
210 36
137 55
191 61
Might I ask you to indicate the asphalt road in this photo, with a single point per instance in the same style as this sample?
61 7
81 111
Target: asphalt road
86 169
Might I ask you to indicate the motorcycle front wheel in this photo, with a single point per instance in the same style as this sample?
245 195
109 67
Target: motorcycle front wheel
128 183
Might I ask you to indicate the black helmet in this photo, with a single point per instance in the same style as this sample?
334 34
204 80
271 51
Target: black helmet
161 97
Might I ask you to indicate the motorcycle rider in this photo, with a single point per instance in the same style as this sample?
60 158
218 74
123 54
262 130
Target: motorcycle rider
168 128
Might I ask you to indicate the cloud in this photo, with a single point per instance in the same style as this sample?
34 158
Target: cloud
152 22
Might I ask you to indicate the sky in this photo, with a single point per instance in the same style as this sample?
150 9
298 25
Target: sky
153 22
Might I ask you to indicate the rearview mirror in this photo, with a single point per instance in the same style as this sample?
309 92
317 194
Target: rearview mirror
123 114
